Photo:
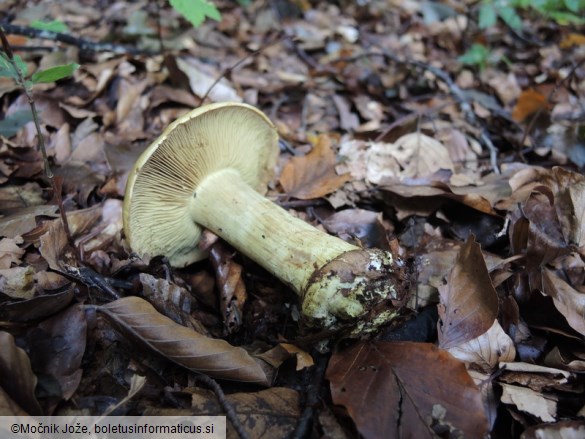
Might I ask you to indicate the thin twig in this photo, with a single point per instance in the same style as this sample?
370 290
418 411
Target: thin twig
159 27
40 138
82 43
225 404
305 422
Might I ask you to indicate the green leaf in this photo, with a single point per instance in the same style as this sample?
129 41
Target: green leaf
564 18
7 68
53 26
510 17
54 73
572 5
196 10
477 55
487 16
13 123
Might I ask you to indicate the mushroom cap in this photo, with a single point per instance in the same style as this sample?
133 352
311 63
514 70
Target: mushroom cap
161 184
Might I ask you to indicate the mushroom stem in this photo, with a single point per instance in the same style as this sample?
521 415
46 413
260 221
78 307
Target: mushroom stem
337 282
286 246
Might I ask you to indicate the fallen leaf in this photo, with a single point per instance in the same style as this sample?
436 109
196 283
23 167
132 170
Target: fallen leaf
10 252
16 376
201 79
555 358
487 350
469 302
139 320
529 401
404 389
9 408
270 413
232 290
171 300
36 308
283 351
56 349
569 301
413 155
571 40
363 226
18 282
54 246
313 175
348 121
19 197
559 430
529 102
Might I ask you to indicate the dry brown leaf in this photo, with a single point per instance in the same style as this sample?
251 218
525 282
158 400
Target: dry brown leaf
270 413
20 197
560 430
56 347
487 350
201 78
9 408
572 39
414 155
570 206
518 366
348 120
283 351
529 401
469 302
24 220
10 252
232 290
54 241
171 300
558 359
313 175
364 226
16 376
529 102
18 282
36 308
569 301
139 320
405 389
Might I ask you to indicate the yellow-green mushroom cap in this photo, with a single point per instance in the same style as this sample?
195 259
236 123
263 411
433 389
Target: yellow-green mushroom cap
165 177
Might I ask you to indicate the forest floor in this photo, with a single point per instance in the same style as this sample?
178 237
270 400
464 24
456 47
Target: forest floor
449 133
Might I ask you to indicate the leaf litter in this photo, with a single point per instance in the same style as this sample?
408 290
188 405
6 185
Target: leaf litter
378 148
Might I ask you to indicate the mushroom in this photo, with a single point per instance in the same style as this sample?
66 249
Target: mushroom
209 170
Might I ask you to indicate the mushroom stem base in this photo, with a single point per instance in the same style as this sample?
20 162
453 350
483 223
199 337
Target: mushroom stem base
362 288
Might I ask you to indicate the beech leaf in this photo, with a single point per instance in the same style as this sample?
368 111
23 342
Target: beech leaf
54 73
469 302
313 175
405 389
16 376
487 350
138 319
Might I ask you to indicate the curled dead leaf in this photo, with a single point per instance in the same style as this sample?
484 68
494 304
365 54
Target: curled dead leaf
487 350
313 175
138 319
469 302
17 380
